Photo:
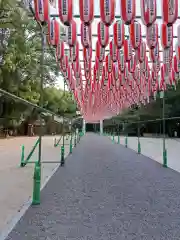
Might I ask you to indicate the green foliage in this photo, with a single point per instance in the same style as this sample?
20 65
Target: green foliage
20 73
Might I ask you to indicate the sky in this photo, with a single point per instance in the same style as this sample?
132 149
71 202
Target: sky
94 25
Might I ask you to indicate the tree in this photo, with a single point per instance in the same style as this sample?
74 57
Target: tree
20 72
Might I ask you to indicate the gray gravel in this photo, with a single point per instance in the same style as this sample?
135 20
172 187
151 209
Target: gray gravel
105 192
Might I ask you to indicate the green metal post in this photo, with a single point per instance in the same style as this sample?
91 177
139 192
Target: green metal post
70 146
43 39
36 184
113 138
62 156
126 141
164 135
63 143
75 139
22 156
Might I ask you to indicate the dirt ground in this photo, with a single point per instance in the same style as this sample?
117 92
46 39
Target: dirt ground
16 182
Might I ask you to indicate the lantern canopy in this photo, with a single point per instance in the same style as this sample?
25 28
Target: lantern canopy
65 11
86 8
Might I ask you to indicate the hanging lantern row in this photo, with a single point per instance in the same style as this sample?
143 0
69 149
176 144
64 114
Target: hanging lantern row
123 77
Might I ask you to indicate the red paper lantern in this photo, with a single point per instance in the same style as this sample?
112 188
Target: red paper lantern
76 68
174 77
118 32
127 50
64 63
166 35
147 73
107 11
103 34
135 34
128 10
87 54
148 11
74 52
141 52
178 34
86 8
115 71
41 8
166 56
176 64
113 51
169 11
170 53
96 73
152 35
71 33
136 73
87 66
70 74
105 76
177 49
86 36
156 66
108 63
165 72
60 50
54 31
132 64
143 65
154 53
121 62
100 51
65 11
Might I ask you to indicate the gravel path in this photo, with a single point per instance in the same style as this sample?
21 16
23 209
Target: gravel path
105 192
